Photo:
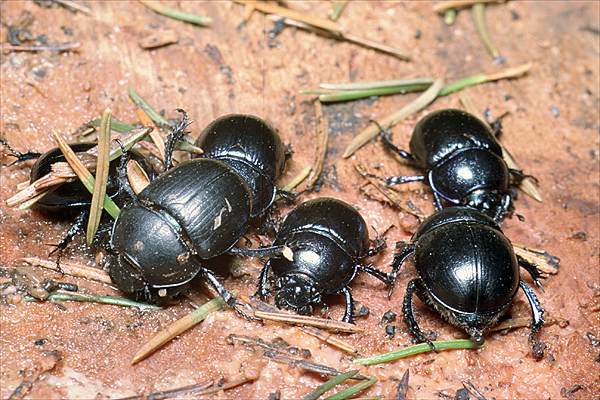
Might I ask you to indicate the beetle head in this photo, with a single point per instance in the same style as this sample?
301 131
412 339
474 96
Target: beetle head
495 204
297 293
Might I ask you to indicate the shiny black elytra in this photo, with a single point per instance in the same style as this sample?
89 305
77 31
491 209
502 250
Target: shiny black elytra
195 211
329 240
462 160
468 272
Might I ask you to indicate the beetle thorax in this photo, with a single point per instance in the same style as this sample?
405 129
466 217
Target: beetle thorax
296 292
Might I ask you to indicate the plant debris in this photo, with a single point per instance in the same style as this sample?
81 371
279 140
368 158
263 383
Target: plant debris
473 390
177 328
59 47
143 104
159 8
417 349
158 39
321 146
329 324
544 261
353 390
337 8
330 384
478 12
61 295
102 169
402 388
71 269
443 6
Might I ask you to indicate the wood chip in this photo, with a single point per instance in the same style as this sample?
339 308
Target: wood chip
158 39
293 319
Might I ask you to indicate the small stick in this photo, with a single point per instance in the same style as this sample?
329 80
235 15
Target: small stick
520 322
388 194
230 385
310 321
443 6
417 349
74 6
546 262
71 269
177 328
143 104
373 130
306 365
102 167
402 389
422 82
61 295
84 175
158 8
154 135
319 334
321 148
527 185
337 9
57 47
478 11
330 384
185 390
136 176
473 390
352 390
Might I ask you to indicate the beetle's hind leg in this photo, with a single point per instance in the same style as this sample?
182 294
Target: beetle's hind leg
227 296
263 281
19 157
382 276
535 273
122 173
349 312
408 314
406 250
537 311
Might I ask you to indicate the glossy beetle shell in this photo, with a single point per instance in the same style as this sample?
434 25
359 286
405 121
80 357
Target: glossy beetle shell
252 148
327 237
465 262
199 209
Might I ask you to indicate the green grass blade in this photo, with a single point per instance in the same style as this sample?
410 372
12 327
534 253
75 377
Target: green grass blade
143 104
352 390
330 384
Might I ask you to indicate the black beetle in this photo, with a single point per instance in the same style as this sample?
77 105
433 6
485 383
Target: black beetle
72 197
468 272
462 160
329 240
191 213
253 149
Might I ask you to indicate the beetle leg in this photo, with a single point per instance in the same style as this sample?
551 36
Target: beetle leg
378 247
122 173
406 249
408 314
286 194
398 180
176 135
71 232
267 251
349 313
437 201
518 176
19 157
382 276
537 311
534 271
263 281
227 296
387 143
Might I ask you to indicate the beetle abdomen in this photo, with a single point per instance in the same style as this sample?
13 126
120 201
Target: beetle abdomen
443 132
467 267
208 199
333 219
465 171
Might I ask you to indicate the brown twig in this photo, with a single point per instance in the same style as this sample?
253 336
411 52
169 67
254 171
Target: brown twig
154 134
57 47
319 334
520 322
473 390
443 6
71 269
137 176
179 392
404 205
321 148
73 6
545 262
308 321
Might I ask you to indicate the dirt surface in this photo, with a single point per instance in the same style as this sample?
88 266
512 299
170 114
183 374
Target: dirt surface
552 130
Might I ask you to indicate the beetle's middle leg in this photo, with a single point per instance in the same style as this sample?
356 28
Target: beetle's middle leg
408 314
382 276
19 157
406 249
267 251
263 281
387 143
70 234
535 273
349 312
537 311
176 135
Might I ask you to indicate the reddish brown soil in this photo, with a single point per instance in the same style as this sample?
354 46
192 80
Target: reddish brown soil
231 68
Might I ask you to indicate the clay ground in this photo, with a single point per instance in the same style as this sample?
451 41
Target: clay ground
552 130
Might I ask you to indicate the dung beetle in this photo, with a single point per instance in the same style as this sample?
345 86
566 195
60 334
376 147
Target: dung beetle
329 240
72 197
193 212
468 272
253 149
462 160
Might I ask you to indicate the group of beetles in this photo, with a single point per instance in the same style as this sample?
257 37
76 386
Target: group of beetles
200 209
